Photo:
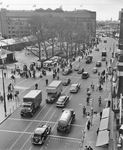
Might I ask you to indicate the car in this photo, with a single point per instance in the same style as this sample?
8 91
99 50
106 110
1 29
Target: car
75 88
85 75
67 71
89 59
77 67
103 59
66 82
61 102
96 49
40 134
80 71
98 64
95 70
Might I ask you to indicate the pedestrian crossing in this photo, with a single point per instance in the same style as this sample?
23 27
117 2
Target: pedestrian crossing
21 87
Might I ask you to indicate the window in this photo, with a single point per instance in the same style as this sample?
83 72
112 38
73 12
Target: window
13 27
8 23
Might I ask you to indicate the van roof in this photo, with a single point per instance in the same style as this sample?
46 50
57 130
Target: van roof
32 94
55 83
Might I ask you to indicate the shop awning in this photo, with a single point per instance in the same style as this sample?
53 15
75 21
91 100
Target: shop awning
105 113
103 138
104 124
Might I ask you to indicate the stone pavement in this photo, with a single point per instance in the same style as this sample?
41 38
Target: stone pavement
91 135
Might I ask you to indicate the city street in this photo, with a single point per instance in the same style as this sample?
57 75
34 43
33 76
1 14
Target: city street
16 132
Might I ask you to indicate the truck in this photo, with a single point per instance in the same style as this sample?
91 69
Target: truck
66 119
53 91
31 101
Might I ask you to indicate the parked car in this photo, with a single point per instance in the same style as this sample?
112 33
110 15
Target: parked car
95 70
77 67
98 64
75 88
66 81
67 71
103 59
85 75
40 134
96 49
62 101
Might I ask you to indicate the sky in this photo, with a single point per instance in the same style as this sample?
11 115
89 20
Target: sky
105 9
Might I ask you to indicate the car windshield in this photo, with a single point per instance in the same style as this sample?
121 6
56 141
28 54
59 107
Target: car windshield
61 99
84 74
73 86
37 136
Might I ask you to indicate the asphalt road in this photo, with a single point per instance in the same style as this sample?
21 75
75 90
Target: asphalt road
16 132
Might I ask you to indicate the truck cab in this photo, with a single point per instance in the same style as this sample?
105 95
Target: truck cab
66 119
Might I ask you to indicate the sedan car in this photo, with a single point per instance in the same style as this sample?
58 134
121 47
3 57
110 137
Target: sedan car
62 101
75 88
66 82
40 134
77 67
95 70
85 75
67 71
80 71
103 59
96 49
98 64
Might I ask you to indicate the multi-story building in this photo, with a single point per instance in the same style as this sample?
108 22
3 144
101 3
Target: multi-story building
12 23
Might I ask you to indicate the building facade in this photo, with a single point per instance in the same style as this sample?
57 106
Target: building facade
12 23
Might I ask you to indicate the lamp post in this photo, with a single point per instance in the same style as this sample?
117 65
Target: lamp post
4 96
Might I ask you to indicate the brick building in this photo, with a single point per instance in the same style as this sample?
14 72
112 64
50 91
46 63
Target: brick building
12 22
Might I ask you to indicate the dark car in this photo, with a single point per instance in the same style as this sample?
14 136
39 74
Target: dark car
96 49
40 134
103 59
66 82
98 64
75 88
89 59
85 75
67 71
62 101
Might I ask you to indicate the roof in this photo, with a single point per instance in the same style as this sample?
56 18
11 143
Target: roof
55 83
74 84
40 130
105 112
103 138
104 124
4 51
32 94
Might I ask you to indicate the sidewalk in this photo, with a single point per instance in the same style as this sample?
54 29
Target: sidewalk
91 135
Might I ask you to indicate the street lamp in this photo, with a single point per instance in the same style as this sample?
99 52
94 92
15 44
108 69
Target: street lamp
4 96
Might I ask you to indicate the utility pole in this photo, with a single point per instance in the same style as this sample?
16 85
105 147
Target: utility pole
4 96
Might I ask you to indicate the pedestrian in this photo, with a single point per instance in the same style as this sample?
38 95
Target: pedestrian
1 97
100 115
88 124
9 96
17 100
97 131
5 74
46 81
106 63
36 86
